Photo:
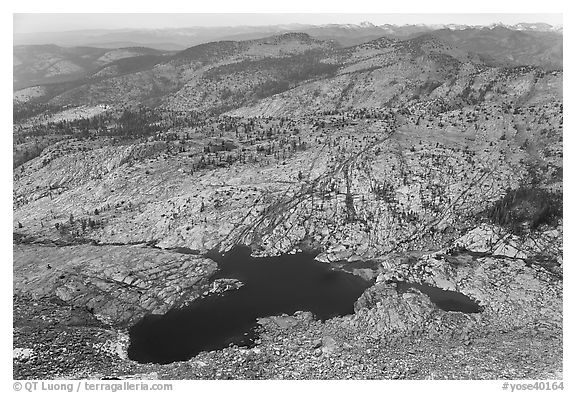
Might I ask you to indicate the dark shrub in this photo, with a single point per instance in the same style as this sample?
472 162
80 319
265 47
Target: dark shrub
525 208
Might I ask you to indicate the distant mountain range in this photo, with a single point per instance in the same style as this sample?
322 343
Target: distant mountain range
51 60
181 38
41 64
297 72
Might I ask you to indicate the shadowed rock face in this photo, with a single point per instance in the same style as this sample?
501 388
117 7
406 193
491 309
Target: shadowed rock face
118 284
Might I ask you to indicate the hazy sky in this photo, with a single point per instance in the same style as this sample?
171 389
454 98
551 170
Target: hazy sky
33 23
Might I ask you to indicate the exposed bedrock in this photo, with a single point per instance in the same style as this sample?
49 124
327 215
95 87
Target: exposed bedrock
119 284
511 293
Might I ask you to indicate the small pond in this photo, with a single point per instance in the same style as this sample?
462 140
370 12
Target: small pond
445 300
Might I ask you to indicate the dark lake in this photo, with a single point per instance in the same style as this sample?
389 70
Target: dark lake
445 300
273 286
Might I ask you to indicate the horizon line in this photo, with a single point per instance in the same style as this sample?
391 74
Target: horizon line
287 24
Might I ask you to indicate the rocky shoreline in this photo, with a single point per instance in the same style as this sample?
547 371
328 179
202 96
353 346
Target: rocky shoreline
391 335
118 284
300 347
